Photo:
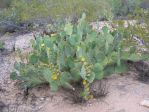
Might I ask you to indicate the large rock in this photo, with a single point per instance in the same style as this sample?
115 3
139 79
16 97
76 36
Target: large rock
12 42
9 26
145 103
23 41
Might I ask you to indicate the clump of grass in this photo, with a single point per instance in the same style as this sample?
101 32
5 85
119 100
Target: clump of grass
1 46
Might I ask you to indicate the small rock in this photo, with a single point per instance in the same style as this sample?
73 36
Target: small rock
42 99
145 103
90 104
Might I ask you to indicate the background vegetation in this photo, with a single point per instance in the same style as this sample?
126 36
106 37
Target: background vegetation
25 10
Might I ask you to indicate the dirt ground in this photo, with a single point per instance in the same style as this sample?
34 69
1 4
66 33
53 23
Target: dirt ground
125 95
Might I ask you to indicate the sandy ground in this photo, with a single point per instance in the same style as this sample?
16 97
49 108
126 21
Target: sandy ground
125 95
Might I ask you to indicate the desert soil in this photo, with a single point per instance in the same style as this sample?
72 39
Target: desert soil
125 94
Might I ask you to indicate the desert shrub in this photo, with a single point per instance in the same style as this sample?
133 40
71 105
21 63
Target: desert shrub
136 29
141 29
124 7
74 54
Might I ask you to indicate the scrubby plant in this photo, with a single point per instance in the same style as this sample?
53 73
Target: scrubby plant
124 7
141 28
75 54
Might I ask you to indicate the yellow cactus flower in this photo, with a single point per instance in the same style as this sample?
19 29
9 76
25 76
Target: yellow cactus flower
87 89
42 45
54 77
54 34
82 59
84 82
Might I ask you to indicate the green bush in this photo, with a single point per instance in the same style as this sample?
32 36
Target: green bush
74 54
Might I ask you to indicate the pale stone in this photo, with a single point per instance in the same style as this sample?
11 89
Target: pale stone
145 103
23 41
